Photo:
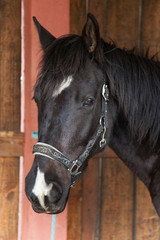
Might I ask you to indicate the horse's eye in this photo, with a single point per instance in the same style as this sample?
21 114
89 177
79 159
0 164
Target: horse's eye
89 102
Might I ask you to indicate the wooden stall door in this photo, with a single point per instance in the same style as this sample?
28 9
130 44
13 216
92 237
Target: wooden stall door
10 138
109 202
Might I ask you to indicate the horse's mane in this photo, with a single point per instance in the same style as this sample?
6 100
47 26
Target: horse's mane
134 81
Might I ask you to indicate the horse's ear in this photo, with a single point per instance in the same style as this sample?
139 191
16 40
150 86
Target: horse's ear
45 37
90 33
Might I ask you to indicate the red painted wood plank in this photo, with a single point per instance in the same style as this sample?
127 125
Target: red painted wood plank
54 15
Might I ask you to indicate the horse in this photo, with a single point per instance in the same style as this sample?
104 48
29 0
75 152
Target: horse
91 94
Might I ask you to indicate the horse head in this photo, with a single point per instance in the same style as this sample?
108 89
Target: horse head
71 95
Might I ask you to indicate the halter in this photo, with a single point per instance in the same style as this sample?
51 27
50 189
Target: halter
74 167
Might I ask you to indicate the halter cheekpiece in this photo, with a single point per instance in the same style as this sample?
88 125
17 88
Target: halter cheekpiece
73 167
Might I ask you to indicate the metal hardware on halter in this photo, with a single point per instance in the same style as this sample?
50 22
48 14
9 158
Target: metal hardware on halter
105 92
75 168
46 150
74 171
102 142
104 120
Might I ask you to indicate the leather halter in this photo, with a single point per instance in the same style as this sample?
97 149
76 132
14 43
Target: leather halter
74 167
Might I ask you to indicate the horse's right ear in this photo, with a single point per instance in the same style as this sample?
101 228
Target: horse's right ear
90 34
45 37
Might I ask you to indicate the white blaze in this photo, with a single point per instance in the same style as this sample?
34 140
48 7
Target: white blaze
41 189
64 84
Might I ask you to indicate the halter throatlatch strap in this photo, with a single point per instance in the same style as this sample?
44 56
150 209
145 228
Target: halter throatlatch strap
74 167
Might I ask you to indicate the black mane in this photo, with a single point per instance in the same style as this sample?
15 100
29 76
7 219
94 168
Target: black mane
134 80
135 84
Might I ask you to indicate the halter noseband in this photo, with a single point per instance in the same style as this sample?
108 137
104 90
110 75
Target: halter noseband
73 167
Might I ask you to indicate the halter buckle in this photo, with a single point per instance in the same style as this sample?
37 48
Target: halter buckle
74 170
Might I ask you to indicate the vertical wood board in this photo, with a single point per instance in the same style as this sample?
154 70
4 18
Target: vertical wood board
147 223
115 19
122 22
91 209
10 63
74 219
150 26
77 16
9 179
98 9
117 202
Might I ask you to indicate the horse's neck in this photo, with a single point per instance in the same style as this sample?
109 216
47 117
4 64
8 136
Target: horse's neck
139 158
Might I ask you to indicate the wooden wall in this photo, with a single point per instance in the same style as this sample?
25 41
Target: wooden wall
10 139
109 202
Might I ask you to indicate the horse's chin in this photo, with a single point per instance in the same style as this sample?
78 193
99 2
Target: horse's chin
49 212
51 209
37 209
55 210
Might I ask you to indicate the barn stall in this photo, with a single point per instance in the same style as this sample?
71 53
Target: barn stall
108 202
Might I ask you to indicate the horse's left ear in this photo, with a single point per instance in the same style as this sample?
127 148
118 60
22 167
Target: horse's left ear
90 33
45 37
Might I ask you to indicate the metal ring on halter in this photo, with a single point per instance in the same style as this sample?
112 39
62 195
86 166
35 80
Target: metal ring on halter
75 168
103 140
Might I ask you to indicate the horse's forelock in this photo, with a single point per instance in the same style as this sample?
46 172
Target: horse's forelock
64 58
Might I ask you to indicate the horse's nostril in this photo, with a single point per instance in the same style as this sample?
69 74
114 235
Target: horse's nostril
46 200
56 193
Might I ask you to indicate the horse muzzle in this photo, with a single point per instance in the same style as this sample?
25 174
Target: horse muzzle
45 197
50 204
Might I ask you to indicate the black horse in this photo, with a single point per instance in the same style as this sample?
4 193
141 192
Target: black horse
91 94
